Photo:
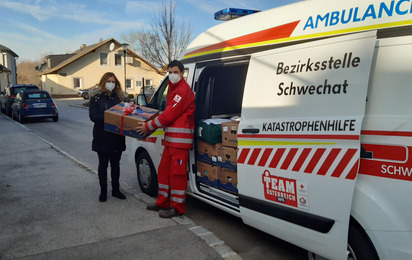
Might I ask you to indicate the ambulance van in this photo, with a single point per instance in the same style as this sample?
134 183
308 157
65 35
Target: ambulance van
320 97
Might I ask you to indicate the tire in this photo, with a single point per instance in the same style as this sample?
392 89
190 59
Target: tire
21 119
13 116
86 96
146 174
359 246
55 118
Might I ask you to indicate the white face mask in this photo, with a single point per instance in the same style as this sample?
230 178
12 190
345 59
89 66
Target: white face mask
110 86
174 78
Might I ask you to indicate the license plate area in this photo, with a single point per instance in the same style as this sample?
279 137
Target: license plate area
39 105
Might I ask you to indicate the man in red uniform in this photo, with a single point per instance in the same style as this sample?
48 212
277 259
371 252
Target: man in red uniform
178 121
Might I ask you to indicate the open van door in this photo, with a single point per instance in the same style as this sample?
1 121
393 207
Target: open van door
299 140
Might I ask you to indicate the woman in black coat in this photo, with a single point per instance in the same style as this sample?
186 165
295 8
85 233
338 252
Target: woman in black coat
109 146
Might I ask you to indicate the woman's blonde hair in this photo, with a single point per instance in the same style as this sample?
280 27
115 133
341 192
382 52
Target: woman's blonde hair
117 88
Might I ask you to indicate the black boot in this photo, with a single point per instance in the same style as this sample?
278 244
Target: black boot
116 193
103 194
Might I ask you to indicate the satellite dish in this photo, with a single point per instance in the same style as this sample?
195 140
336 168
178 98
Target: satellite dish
111 46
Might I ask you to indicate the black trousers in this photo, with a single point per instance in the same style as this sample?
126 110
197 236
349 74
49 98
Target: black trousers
104 159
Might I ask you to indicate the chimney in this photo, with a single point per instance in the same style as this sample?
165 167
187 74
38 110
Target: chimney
101 39
83 46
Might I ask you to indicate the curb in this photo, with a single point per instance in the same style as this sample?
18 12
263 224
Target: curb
213 241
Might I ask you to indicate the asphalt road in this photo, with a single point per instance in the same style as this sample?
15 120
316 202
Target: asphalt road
73 134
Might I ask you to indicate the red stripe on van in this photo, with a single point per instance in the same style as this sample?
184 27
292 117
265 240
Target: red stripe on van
265 156
254 156
387 133
315 159
243 155
277 157
325 137
344 162
278 32
301 159
289 158
150 139
328 162
387 152
353 172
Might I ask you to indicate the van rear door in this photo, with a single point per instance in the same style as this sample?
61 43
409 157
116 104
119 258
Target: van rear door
299 141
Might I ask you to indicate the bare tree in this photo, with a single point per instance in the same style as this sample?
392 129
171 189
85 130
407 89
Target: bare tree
132 38
26 69
167 38
26 72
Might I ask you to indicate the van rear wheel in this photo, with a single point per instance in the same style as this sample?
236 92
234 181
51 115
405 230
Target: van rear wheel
359 246
146 174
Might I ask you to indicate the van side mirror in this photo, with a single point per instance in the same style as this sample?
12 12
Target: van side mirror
141 100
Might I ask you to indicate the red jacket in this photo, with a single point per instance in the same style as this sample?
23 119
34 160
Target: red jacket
178 117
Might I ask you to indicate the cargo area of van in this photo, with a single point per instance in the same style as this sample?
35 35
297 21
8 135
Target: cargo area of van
220 87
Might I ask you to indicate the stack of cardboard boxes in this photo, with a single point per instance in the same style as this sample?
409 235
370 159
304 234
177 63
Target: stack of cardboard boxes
217 163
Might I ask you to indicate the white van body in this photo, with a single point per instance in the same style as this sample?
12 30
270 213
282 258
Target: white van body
325 135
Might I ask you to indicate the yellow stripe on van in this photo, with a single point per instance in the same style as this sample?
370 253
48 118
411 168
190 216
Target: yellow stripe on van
304 37
158 132
275 143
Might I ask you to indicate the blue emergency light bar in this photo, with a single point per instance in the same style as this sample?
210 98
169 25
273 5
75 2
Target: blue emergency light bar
232 13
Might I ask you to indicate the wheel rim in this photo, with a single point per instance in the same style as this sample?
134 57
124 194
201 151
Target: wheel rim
144 173
350 255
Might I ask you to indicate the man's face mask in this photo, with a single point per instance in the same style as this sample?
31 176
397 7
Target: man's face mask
174 78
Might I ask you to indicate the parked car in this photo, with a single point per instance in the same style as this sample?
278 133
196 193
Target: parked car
8 95
84 93
34 104
148 91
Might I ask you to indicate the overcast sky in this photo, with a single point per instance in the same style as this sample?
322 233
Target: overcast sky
33 27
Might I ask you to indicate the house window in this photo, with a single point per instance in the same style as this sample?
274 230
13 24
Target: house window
117 59
148 82
129 84
77 83
104 59
138 83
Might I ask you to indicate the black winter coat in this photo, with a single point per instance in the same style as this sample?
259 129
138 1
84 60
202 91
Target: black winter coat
104 141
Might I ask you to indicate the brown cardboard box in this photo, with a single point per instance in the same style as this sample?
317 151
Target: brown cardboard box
115 121
207 173
227 179
229 133
207 152
227 158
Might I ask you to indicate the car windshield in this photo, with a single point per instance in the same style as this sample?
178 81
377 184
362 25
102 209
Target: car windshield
14 91
40 95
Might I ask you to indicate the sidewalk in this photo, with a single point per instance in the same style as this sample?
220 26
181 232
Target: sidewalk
49 209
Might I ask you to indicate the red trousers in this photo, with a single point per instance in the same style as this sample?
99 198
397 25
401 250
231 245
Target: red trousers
172 178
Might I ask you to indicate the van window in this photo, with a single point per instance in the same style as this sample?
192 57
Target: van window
219 90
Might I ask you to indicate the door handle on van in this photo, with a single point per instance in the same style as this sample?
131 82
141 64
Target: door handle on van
250 131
